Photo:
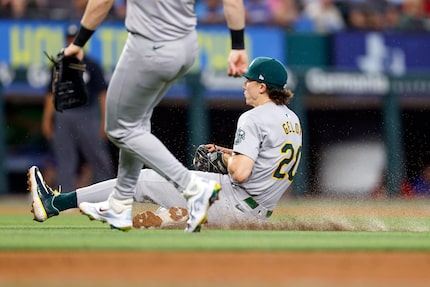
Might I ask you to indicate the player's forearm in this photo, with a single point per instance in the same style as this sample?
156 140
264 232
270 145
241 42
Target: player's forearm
95 12
234 12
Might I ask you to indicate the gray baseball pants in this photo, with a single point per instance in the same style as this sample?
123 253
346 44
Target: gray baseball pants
231 207
143 75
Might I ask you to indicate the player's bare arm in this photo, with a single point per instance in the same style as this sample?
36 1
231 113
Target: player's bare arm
234 12
239 167
95 12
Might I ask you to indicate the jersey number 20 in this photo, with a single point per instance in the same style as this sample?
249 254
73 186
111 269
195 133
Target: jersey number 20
291 156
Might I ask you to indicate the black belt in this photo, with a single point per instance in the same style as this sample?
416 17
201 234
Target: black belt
253 204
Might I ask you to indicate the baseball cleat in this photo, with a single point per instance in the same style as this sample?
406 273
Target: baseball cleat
200 194
104 211
42 195
162 218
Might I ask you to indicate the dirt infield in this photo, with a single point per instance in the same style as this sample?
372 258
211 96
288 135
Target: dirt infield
214 269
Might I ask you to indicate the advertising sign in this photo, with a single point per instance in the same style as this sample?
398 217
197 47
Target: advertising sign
24 44
391 53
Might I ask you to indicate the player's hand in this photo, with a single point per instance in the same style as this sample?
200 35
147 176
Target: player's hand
73 50
210 147
237 63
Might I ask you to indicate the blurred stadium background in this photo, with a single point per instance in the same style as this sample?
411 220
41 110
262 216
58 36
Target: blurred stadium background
362 88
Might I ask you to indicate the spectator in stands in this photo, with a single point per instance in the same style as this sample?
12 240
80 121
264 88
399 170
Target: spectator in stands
285 13
210 12
375 18
119 8
392 17
257 12
21 9
357 17
421 184
57 10
78 8
326 16
377 15
382 15
413 16
427 8
69 10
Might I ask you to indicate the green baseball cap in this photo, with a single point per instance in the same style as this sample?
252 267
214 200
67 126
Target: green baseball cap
268 71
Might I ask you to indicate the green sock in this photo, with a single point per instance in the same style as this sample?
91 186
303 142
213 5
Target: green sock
65 201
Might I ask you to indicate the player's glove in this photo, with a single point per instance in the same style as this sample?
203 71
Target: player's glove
68 86
209 161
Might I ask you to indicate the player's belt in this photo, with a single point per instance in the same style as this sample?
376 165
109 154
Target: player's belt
253 204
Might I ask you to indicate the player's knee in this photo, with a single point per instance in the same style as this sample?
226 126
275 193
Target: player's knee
114 136
119 136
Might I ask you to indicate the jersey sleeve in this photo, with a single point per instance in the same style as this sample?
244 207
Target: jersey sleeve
247 139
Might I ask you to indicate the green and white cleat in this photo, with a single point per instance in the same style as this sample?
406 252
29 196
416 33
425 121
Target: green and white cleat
200 194
42 195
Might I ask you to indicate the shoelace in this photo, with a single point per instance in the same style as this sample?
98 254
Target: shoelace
56 191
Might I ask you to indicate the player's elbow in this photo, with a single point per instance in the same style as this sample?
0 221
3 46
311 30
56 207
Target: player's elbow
240 167
116 135
239 178
239 175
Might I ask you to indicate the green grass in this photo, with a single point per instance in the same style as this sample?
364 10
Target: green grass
311 226
330 232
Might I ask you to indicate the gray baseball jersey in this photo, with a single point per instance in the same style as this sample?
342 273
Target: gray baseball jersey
161 20
269 134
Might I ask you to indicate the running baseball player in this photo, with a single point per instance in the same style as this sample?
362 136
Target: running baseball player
161 46
261 165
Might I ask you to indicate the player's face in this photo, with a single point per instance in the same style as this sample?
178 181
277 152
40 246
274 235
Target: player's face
251 91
